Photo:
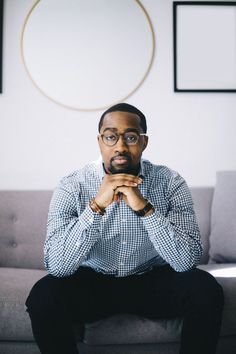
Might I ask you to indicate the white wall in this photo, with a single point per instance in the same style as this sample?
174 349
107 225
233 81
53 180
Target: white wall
40 141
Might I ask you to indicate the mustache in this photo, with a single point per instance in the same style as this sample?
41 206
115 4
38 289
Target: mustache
124 154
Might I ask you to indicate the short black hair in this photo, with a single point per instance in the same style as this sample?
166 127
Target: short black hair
125 107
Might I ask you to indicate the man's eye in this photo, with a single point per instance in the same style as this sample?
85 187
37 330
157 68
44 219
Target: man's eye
131 137
110 137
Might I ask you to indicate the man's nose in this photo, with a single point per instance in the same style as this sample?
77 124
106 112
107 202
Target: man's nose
121 144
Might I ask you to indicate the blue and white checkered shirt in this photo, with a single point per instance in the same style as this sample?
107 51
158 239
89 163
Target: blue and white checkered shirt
120 242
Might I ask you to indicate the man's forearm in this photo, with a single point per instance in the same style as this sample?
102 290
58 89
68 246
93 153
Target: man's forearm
180 248
69 241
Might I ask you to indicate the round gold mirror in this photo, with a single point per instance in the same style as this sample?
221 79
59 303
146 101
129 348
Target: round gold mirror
88 54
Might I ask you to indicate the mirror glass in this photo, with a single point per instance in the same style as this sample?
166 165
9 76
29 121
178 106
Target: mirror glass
87 54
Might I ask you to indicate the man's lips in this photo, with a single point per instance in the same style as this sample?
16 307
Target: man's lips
120 160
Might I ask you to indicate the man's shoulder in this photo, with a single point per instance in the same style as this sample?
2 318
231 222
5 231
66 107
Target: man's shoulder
159 171
79 176
164 178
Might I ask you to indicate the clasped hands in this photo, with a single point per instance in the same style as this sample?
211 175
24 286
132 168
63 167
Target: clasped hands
115 185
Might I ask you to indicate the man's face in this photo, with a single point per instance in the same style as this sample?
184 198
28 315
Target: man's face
121 157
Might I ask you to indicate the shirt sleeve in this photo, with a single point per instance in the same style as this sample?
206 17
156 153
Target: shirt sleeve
176 236
70 235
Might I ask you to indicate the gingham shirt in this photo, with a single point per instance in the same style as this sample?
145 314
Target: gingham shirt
120 242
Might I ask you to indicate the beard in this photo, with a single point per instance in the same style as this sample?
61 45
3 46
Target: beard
124 168
113 170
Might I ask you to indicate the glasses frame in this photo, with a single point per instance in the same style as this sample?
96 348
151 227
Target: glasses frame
122 134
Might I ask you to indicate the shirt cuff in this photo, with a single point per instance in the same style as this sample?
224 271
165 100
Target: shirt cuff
154 221
90 220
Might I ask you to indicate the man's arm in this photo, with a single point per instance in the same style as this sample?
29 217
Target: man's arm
176 236
70 235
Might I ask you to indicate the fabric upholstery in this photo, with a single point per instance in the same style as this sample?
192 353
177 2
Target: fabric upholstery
125 329
223 222
226 277
202 198
15 286
23 220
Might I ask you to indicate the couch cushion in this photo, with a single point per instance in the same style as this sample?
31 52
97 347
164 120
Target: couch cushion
15 285
124 329
23 220
226 277
129 329
223 222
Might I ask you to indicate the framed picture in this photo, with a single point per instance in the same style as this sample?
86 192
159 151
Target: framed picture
1 40
204 46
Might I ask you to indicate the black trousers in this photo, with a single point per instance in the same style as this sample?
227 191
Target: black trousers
56 304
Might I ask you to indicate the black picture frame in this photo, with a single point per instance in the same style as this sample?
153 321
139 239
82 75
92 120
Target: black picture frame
1 42
182 72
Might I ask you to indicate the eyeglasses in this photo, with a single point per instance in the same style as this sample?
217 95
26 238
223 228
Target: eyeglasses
110 138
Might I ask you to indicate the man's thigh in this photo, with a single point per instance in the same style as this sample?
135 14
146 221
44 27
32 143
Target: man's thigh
165 293
81 296
88 296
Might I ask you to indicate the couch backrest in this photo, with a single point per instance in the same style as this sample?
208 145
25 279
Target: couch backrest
202 198
23 218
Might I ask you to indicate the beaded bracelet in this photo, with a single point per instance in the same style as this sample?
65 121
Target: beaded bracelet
96 208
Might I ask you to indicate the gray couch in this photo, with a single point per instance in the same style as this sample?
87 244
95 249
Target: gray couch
23 217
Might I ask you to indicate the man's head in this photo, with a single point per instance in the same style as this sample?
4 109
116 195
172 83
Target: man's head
122 153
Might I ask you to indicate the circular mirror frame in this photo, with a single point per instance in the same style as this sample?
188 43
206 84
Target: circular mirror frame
122 99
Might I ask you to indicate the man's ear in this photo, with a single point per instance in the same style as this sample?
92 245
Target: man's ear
99 140
145 144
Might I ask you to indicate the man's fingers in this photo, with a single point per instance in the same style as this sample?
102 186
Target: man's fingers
124 177
125 184
121 190
124 180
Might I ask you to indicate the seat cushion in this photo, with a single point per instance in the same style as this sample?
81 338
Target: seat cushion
130 329
226 277
15 285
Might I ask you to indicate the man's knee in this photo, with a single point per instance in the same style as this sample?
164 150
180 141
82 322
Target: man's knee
207 290
41 295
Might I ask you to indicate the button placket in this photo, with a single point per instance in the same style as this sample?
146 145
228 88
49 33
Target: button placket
123 242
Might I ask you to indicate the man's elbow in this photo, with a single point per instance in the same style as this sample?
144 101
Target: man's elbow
57 270
188 264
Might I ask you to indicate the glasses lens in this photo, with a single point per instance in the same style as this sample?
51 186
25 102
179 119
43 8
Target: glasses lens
131 138
110 138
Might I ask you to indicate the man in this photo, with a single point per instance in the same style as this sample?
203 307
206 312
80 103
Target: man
123 238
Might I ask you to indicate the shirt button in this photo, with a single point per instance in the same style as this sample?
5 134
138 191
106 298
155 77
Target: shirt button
124 242
158 219
91 220
123 220
121 264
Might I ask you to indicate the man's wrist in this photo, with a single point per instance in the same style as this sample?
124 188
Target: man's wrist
148 209
96 208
